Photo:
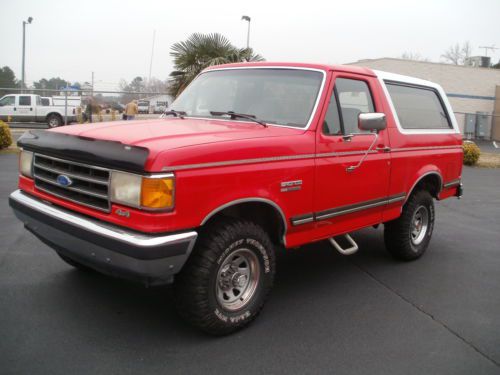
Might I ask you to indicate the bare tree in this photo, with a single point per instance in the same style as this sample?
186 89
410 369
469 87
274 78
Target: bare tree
457 54
415 56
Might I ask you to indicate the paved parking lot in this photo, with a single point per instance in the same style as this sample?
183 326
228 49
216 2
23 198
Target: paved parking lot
363 314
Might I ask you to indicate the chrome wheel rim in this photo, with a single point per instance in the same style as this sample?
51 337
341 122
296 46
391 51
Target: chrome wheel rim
419 225
237 279
53 122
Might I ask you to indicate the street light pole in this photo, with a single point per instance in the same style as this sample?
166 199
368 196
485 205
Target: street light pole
248 19
30 19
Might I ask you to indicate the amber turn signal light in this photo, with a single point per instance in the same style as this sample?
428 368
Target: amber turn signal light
157 193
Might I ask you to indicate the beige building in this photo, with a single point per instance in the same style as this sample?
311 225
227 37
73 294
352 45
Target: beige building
474 93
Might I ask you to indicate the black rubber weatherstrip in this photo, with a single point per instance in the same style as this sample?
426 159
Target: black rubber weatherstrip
108 154
150 253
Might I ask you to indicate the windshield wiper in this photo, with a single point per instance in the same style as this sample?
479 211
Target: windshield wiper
179 114
239 115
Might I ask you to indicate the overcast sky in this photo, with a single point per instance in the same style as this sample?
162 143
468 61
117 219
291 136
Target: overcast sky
70 39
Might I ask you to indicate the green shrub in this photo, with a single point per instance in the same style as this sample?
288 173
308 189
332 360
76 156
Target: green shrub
471 153
5 136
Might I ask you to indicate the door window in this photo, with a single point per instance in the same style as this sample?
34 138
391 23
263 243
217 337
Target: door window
352 97
25 100
8 100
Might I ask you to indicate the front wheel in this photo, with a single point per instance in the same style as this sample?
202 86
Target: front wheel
408 237
227 278
54 121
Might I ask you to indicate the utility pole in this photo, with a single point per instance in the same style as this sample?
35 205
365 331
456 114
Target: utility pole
486 48
248 19
92 91
151 60
30 19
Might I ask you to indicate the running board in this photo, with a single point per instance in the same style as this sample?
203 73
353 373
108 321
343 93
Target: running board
350 250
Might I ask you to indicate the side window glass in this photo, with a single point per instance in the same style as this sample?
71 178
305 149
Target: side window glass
331 124
8 100
418 107
354 98
25 100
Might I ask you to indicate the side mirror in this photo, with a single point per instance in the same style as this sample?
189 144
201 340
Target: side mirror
372 121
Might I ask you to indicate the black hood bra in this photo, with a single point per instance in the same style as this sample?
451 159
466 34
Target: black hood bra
108 154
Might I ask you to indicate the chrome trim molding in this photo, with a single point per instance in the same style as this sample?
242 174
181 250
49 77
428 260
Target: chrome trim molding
136 239
296 157
302 219
452 183
238 162
264 160
425 148
248 200
344 210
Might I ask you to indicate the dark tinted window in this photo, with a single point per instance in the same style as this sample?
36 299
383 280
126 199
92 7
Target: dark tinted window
354 98
418 108
45 102
331 124
25 100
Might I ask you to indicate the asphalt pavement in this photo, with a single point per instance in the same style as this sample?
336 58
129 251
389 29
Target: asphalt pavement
361 314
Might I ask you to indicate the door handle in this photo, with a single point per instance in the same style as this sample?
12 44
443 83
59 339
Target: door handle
15 109
31 109
383 148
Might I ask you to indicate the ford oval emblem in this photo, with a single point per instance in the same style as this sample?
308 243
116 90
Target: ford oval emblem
64 180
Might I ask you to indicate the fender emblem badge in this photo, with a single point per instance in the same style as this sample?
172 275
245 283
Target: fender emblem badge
123 213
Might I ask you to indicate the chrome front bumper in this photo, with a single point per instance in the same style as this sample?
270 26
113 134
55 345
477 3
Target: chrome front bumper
151 259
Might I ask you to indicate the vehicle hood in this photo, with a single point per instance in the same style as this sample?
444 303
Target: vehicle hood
172 142
166 134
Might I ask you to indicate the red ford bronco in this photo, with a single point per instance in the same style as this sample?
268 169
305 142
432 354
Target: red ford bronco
249 159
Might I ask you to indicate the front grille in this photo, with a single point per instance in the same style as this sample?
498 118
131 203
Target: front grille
89 185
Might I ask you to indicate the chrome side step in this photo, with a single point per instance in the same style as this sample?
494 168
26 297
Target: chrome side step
350 250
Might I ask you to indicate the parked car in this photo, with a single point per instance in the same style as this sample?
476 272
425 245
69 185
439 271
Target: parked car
160 107
250 159
143 106
29 108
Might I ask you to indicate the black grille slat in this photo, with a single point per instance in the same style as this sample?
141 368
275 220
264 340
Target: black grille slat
90 185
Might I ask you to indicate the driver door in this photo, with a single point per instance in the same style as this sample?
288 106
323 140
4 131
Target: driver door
346 200
7 105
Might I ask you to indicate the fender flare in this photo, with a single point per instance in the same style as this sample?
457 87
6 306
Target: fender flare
422 175
249 200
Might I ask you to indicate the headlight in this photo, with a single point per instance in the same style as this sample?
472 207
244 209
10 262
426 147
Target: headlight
26 163
153 192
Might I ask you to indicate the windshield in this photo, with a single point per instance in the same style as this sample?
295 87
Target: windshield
143 104
275 96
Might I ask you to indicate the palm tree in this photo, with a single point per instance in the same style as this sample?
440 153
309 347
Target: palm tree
200 51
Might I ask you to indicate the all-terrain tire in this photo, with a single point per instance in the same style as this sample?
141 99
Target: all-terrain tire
207 283
402 236
54 121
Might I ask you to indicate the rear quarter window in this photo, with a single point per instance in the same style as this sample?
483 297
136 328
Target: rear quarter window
418 107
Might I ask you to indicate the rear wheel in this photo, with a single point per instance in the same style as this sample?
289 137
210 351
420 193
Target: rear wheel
408 237
227 278
54 121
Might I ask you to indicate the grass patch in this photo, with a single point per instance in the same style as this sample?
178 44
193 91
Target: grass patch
489 160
